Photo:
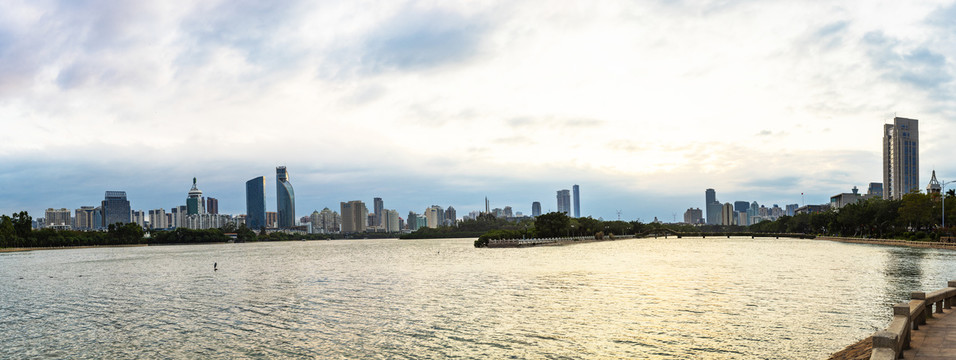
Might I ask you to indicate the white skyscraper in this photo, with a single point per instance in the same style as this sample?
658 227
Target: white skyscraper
900 158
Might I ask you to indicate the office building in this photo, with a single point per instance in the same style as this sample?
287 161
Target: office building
875 190
712 207
536 209
727 215
791 209
212 205
451 216
194 201
577 200
138 218
256 203
87 218
354 216
378 206
693 216
435 216
414 221
272 219
157 219
564 202
508 212
285 199
58 218
900 158
840 200
390 220
115 208
741 206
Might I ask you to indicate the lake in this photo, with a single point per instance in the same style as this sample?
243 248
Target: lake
641 298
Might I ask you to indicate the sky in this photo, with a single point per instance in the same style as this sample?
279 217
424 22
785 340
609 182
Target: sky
644 104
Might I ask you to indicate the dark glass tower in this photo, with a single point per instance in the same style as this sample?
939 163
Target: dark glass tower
285 199
378 206
256 203
536 209
115 208
577 200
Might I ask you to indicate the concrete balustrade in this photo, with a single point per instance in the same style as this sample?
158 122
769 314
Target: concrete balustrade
907 317
505 243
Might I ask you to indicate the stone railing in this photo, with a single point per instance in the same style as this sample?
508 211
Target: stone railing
890 343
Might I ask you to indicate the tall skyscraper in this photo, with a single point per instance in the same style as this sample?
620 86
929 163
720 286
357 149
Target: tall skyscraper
741 206
712 206
536 209
157 219
354 216
87 218
900 157
727 216
256 203
115 208
564 202
487 205
378 206
212 206
285 199
194 202
577 200
451 216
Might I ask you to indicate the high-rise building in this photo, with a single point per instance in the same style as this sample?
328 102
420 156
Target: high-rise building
791 209
256 203
354 216
86 219
727 215
390 220
435 216
741 206
414 221
874 190
272 219
115 208
564 202
378 206
487 205
509 212
900 157
712 206
212 206
577 200
138 218
693 216
451 216
157 219
194 203
58 218
536 209
285 199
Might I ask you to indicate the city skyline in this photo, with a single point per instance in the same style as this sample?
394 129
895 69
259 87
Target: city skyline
764 101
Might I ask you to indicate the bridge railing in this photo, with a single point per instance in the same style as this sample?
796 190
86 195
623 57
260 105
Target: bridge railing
543 241
889 344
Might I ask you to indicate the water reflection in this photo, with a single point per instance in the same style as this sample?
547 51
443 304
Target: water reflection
652 298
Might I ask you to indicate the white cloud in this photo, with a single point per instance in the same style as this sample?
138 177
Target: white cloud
638 96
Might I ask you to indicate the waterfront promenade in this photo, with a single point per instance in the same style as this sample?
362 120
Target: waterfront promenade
922 328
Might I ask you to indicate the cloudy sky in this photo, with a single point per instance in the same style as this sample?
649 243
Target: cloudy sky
643 103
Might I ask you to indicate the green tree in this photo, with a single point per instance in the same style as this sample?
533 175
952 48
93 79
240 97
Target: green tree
8 234
22 224
552 224
916 211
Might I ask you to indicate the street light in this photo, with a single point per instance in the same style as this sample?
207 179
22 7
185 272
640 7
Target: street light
942 192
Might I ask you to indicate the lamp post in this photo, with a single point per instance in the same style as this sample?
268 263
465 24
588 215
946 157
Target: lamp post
942 193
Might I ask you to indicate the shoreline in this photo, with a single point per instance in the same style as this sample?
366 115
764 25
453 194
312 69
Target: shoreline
891 242
8 250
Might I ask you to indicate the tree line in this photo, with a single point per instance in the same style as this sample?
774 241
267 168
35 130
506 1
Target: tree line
916 216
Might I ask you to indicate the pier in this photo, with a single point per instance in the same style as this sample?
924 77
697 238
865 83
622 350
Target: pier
921 328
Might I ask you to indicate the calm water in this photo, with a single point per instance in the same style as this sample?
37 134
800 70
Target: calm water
651 298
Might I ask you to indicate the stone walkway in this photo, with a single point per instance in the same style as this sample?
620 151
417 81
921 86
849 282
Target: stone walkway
936 339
